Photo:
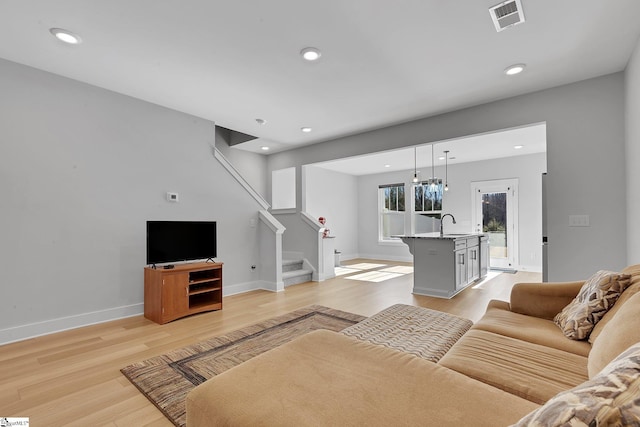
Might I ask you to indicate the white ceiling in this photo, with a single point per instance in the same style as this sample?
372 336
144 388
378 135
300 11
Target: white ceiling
383 62
531 139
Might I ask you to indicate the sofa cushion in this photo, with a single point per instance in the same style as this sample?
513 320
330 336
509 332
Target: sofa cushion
633 288
598 294
500 320
618 334
325 378
531 371
543 300
609 399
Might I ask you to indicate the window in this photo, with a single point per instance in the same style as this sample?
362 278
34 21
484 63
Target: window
391 198
428 196
393 195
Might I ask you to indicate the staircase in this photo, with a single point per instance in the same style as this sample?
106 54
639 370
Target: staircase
293 272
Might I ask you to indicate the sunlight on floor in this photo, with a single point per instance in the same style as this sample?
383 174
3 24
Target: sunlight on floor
341 271
355 268
490 275
402 269
379 275
374 276
365 266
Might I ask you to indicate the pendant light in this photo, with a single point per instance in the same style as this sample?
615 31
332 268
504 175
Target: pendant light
433 171
446 170
415 165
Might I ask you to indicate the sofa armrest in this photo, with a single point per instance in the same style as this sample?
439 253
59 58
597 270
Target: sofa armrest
543 300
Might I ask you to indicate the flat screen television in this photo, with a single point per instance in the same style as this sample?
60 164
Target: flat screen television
174 241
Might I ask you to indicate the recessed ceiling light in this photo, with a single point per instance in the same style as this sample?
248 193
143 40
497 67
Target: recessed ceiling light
264 148
441 158
311 53
306 129
517 147
65 36
387 166
261 121
514 69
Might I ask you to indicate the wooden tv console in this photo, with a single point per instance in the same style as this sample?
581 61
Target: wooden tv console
186 289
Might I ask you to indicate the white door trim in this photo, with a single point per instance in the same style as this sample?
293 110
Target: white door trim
510 186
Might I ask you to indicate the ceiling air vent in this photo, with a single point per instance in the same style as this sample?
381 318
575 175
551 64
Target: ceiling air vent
507 14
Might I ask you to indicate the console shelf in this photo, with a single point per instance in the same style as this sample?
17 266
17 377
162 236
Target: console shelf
186 289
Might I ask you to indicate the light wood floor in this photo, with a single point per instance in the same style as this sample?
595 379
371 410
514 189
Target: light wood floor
73 377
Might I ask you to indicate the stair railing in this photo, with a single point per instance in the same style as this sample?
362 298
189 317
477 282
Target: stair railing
238 176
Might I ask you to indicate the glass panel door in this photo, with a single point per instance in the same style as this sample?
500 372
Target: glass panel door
495 213
494 223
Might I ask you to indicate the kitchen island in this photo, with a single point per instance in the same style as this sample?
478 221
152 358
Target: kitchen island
444 265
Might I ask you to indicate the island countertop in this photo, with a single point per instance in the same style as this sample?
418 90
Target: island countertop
436 235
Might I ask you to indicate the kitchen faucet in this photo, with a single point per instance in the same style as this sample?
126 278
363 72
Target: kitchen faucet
442 221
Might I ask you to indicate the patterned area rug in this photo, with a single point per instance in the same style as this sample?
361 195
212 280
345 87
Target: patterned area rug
165 380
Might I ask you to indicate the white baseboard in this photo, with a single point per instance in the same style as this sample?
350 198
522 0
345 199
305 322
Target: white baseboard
531 268
32 330
240 288
323 277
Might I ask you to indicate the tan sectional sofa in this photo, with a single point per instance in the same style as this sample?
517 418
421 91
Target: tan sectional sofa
508 364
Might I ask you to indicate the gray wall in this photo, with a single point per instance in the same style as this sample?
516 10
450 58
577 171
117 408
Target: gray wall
457 201
81 170
632 80
334 196
585 141
252 166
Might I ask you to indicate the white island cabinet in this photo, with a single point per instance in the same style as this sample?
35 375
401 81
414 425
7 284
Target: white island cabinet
445 265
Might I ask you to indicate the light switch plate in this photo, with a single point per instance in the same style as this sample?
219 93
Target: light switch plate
578 220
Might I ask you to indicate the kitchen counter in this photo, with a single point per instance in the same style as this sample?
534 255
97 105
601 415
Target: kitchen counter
436 235
445 265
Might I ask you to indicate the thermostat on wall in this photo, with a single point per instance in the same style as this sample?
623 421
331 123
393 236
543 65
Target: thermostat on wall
172 197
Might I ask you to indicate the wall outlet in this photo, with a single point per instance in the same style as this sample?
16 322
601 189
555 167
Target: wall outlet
253 268
172 197
578 220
